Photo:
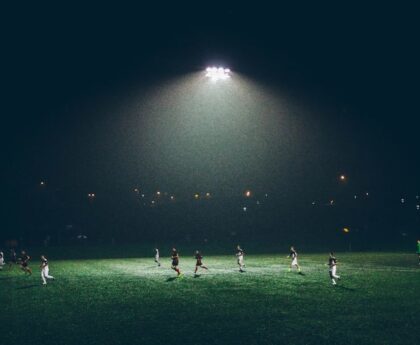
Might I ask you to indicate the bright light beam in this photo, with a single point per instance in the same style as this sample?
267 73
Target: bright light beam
217 73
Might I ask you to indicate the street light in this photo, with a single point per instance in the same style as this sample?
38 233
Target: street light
217 73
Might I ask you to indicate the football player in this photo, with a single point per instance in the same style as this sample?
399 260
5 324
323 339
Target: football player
199 262
293 254
240 258
175 261
332 263
45 270
24 263
157 257
2 263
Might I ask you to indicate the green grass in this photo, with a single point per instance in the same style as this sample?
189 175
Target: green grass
131 301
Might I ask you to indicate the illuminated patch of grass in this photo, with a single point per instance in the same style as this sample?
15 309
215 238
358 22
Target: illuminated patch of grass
131 301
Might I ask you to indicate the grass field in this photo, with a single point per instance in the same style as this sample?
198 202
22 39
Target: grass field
131 301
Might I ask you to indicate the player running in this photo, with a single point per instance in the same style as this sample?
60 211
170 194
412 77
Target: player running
157 257
2 263
45 270
293 254
418 250
175 261
24 263
240 257
332 263
199 262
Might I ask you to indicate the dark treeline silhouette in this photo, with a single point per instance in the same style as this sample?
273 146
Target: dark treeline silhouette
367 222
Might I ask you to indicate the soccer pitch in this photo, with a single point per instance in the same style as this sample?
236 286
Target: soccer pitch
132 301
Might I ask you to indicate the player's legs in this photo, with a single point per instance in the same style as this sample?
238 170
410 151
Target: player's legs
46 273
241 265
333 275
44 280
26 269
176 269
332 278
292 264
201 266
157 260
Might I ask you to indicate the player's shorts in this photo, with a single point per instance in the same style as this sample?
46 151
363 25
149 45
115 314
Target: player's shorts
294 262
24 264
199 263
333 271
175 263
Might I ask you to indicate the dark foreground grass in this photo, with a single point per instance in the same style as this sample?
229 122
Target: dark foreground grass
131 301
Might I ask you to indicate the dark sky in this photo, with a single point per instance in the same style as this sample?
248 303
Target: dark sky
68 72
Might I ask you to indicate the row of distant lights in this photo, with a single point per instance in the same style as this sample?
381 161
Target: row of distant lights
197 196
217 73
247 194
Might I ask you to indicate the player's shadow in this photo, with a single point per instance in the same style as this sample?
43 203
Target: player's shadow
197 275
171 279
341 287
302 274
5 278
27 287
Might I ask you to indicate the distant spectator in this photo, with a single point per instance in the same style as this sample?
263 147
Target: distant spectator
12 258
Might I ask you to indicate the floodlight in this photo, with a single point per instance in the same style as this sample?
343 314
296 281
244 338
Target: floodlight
216 73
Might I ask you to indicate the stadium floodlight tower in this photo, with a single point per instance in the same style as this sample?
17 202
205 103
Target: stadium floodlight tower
217 73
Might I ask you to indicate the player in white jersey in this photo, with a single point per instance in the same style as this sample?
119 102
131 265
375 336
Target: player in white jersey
45 270
332 263
157 258
240 257
2 263
293 254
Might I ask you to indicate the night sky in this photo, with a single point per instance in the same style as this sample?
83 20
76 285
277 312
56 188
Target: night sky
104 98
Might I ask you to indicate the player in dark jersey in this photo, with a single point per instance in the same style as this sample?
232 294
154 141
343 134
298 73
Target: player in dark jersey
199 262
293 255
12 258
175 261
332 263
24 262
45 270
